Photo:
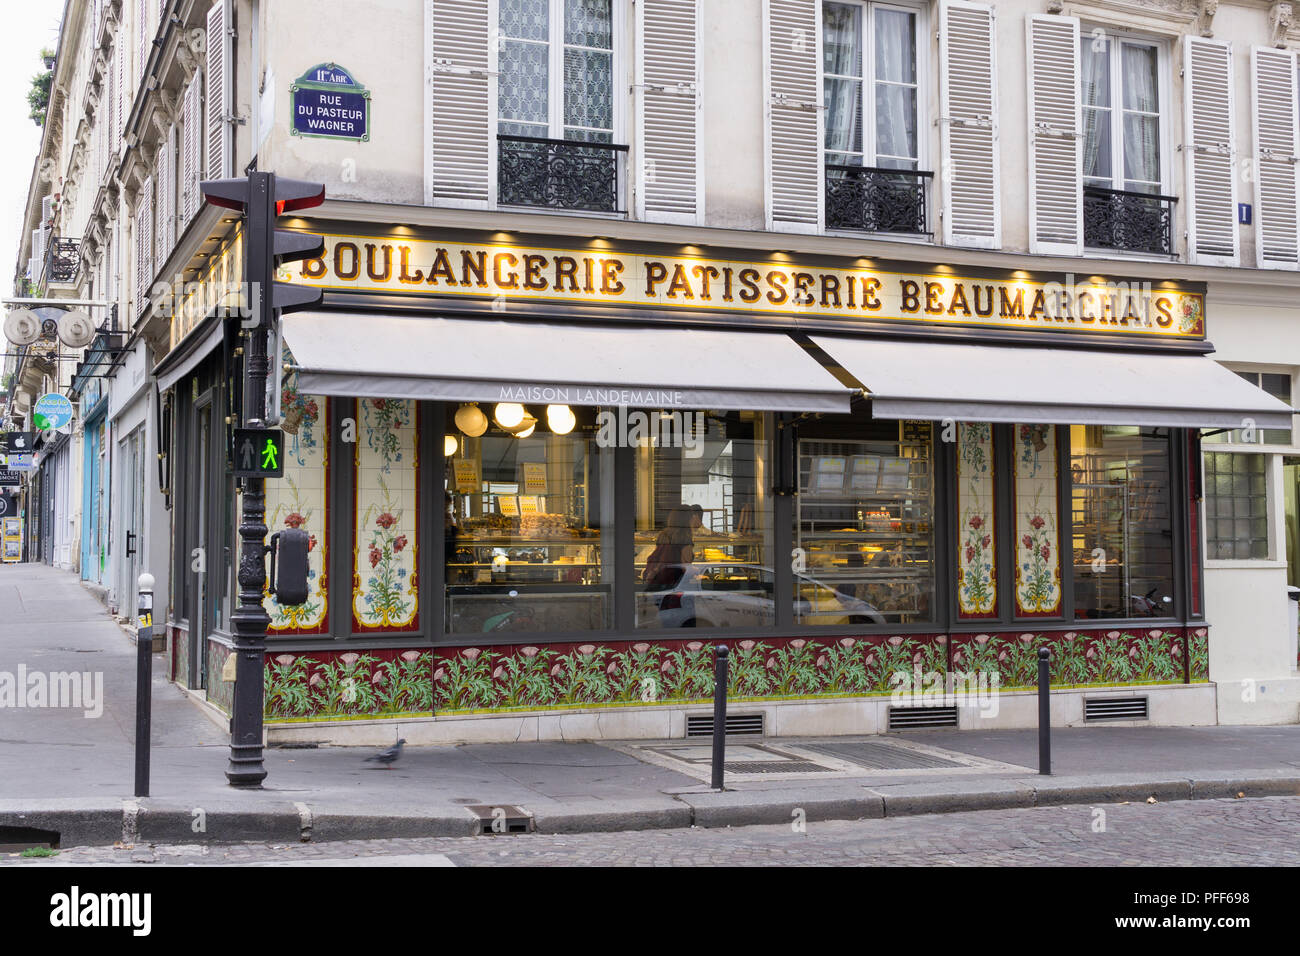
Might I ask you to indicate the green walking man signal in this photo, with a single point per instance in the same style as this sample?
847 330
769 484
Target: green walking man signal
259 453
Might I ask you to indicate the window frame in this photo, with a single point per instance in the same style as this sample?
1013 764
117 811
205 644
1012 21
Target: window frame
869 79
555 69
926 157
1117 39
1271 544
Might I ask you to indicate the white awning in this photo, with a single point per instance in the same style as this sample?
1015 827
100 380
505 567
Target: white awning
993 383
372 355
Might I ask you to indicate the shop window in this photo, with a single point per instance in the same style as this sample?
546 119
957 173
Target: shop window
300 500
1122 530
1236 506
385 569
864 523
1277 384
703 523
529 520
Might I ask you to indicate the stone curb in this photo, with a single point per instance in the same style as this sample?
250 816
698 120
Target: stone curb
100 822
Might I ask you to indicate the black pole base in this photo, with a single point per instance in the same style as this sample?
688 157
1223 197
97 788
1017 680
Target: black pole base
245 771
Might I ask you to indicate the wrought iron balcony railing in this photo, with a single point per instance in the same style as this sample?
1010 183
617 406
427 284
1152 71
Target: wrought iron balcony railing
63 260
1130 221
560 174
876 200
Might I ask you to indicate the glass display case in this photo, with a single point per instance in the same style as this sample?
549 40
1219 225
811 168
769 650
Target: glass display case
527 530
864 524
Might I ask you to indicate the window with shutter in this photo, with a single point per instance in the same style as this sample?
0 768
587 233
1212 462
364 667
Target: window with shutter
1055 170
1208 128
670 169
141 40
461 160
557 116
872 97
219 105
1273 100
191 152
968 125
792 131
144 243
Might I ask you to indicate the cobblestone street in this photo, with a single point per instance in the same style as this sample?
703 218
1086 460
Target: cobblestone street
1256 832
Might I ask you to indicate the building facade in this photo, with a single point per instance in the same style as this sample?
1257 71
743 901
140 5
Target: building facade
885 343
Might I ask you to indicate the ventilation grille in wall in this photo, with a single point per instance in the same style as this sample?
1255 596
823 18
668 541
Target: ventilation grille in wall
920 718
738 725
1115 708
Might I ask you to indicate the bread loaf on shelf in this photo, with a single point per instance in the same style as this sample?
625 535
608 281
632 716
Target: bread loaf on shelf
541 524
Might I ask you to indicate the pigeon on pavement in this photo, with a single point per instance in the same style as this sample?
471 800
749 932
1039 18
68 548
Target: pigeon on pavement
389 756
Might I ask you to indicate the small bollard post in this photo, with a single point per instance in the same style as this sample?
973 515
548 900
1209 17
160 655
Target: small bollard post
143 683
1044 713
719 714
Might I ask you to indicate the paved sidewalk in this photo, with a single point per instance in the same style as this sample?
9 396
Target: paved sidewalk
60 771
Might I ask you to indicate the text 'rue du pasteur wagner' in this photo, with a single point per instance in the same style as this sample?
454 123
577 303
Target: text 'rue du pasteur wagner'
717 284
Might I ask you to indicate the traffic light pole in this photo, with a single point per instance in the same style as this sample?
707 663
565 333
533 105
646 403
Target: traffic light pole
262 198
249 620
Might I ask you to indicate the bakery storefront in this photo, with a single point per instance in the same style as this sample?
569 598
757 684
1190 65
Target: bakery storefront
543 477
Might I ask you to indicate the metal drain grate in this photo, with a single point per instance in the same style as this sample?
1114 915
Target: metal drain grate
776 766
737 725
1115 708
504 818
919 718
881 756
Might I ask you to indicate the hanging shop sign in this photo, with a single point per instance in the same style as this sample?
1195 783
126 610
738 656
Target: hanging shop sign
330 104
18 443
51 411
10 479
858 289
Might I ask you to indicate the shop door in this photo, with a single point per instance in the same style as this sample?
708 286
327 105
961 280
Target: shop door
201 565
132 521
90 506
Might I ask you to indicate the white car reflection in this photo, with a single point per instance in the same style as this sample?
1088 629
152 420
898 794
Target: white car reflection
742 595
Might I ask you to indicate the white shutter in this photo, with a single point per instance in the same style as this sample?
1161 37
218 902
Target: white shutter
109 106
191 151
144 243
460 165
38 253
1211 179
141 41
167 199
1273 100
1055 132
219 104
670 167
123 104
792 133
968 125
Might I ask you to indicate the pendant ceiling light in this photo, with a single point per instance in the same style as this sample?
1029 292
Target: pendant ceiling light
508 415
560 418
471 420
525 427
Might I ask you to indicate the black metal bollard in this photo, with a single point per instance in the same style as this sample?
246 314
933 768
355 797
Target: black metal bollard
1044 712
719 714
143 684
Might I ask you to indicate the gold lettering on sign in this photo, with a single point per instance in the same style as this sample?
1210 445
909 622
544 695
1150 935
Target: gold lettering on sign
860 289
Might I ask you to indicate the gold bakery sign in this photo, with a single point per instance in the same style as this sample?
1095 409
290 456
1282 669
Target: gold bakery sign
936 295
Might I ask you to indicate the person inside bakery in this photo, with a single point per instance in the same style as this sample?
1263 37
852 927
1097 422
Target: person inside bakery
673 554
450 530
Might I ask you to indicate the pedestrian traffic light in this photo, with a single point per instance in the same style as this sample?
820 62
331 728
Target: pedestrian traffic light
259 453
263 198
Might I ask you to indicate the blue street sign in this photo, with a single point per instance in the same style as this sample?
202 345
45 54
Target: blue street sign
1243 213
328 103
